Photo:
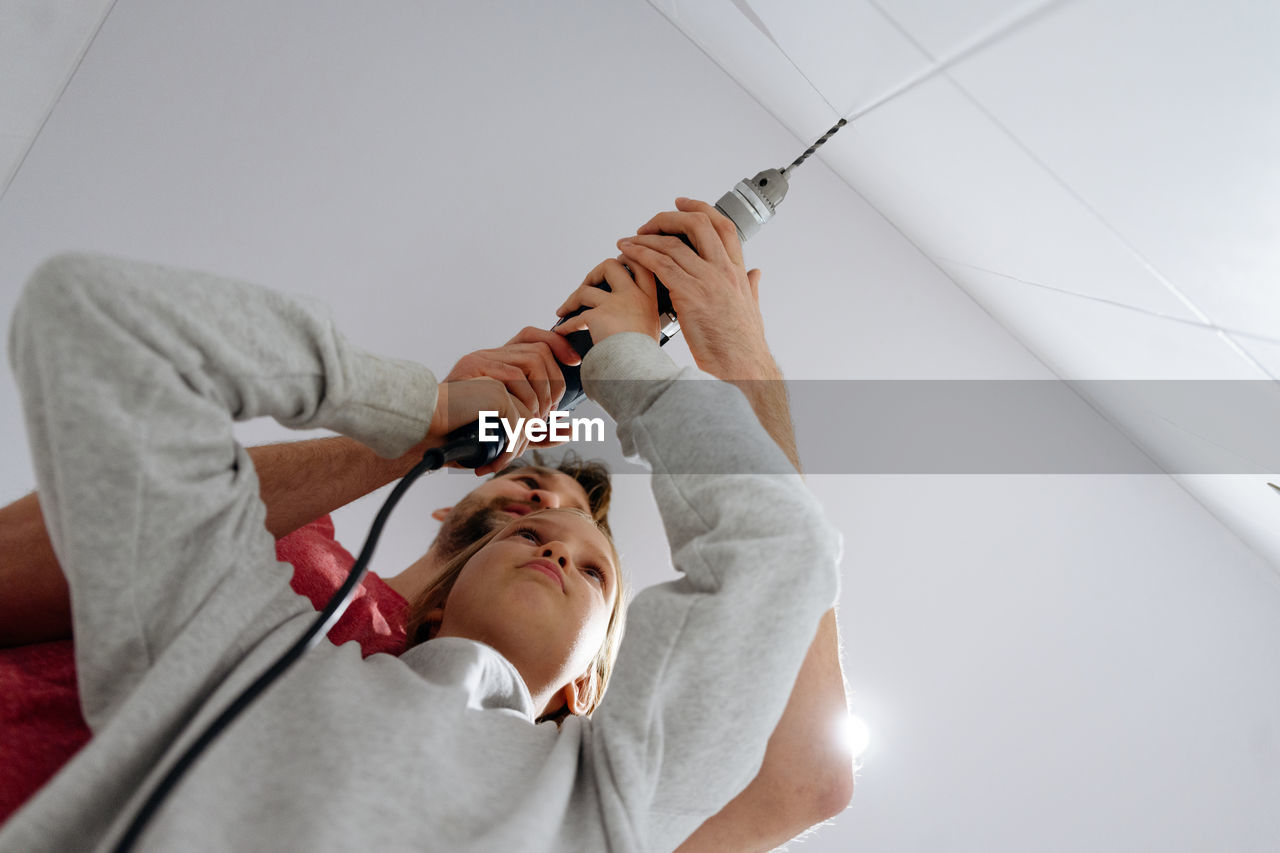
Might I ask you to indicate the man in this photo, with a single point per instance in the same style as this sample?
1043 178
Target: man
805 776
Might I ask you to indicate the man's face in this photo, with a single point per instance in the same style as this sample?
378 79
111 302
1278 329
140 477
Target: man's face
501 499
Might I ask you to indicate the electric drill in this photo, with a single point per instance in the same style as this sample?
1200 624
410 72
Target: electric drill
749 205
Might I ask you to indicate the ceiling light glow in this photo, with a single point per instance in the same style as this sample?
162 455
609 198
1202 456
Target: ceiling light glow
855 734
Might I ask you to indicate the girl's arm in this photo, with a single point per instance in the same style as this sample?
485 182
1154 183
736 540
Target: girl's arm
807 773
709 660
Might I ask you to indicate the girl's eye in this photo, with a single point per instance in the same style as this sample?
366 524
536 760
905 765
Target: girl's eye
528 533
598 574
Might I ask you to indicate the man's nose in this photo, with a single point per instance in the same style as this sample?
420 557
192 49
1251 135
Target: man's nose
545 498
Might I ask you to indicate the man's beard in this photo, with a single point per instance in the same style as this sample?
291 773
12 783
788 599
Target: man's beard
471 519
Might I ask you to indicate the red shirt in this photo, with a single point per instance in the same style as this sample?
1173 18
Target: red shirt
41 726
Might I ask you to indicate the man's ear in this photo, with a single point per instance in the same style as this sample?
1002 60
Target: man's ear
440 513
579 693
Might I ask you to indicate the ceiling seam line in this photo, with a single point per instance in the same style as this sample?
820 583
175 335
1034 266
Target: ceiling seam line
1075 195
1103 221
792 62
966 52
13 175
1267 471
903 31
1212 327
752 95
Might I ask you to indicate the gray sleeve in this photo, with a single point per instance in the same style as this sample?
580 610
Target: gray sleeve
708 661
130 375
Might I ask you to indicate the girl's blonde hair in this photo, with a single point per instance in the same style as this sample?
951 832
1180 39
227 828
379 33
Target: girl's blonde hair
422 625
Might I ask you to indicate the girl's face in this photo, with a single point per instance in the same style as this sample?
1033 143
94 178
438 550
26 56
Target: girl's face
541 593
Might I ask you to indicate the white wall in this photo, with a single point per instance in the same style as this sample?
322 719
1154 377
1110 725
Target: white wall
1056 664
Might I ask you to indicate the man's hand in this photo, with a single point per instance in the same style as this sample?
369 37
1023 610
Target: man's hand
718 303
630 304
520 379
715 297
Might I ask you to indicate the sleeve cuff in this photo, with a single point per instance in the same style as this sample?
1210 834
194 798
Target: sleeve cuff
611 369
391 404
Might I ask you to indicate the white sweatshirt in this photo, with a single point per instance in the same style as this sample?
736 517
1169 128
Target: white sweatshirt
131 375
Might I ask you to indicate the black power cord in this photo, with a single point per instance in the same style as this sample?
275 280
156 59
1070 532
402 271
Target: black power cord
462 446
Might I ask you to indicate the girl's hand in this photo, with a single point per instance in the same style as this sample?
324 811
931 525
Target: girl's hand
630 304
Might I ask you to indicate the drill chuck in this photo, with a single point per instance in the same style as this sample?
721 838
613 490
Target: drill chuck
753 201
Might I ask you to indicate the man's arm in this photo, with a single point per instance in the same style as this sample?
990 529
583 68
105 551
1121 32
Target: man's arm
35 605
807 771
303 480
299 482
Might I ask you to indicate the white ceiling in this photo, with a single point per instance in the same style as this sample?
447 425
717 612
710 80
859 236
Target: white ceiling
1101 176
1100 184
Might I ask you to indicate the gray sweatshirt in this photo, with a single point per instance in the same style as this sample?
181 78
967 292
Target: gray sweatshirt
131 375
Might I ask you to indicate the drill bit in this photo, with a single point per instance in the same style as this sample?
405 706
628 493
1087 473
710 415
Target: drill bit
815 146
